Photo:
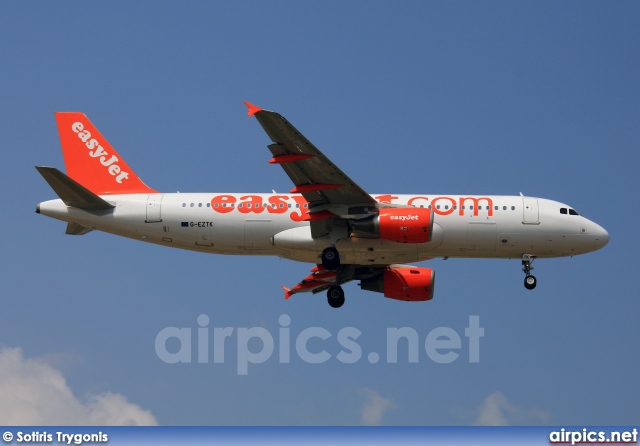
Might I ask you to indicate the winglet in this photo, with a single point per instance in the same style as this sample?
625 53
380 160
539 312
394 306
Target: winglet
253 109
287 292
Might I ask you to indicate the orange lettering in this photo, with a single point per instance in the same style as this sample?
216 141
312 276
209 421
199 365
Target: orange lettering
254 205
438 211
386 198
222 203
278 204
302 213
475 205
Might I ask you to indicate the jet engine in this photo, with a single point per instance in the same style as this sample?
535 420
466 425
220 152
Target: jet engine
403 225
403 283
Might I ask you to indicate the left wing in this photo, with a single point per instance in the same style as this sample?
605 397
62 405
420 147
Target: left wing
314 176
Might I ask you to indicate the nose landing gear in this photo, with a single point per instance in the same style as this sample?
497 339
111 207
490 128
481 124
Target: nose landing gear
530 281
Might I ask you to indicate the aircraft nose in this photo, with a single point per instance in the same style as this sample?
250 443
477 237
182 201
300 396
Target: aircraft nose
601 236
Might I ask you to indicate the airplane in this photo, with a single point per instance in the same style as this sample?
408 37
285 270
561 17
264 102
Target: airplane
326 219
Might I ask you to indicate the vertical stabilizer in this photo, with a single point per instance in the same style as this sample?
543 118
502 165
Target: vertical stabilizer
91 161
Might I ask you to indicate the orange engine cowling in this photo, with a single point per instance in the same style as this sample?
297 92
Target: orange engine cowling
411 284
406 225
403 225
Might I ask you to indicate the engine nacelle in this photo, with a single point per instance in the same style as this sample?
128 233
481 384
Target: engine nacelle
411 284
404 225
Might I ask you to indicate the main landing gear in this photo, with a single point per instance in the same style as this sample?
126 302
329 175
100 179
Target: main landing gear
330 258
331 261
530 281
335 296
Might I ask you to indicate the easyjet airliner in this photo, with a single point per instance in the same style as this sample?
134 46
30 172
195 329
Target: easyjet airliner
326 219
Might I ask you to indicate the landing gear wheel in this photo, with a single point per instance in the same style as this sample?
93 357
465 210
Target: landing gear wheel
530 282
330 258
335 296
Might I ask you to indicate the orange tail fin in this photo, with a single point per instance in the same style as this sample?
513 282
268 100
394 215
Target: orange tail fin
91 161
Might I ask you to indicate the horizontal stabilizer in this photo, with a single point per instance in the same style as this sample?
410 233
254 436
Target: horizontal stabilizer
77 229
71 192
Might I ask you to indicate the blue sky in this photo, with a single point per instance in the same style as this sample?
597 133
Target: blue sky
406 97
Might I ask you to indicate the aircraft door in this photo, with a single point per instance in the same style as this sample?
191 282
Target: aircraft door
154 208
530 210
203 235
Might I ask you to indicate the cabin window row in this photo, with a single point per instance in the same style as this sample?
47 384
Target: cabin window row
184 205
306 205
248 205
446 206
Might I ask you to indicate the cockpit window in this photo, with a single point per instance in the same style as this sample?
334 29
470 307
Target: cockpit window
570 211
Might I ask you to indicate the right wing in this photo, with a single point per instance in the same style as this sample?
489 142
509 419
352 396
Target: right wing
320 279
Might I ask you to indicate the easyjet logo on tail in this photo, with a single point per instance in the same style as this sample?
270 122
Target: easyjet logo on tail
97 151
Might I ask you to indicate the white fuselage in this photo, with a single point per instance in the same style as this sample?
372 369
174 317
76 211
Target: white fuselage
273 224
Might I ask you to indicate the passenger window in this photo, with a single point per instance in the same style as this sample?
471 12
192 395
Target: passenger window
199 205
563 211
513 208
184 205
191 204
504 208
